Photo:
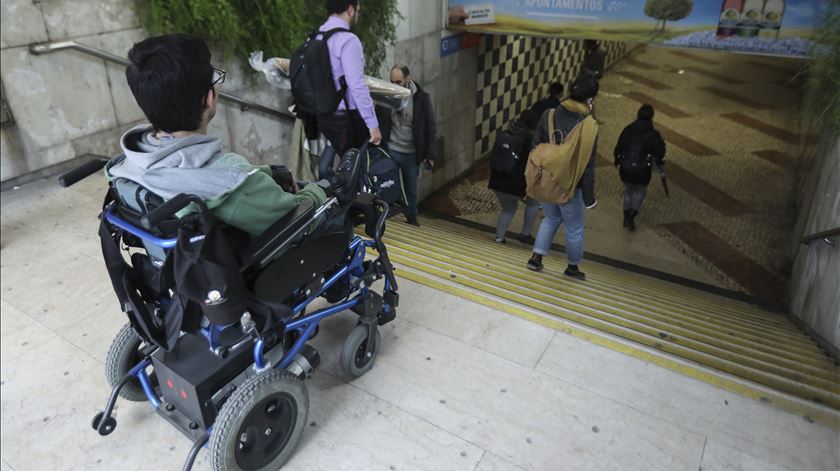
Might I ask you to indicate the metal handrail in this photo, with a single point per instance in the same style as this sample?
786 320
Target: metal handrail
824 235
244 105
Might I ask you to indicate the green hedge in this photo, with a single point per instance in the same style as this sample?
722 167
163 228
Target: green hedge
277 27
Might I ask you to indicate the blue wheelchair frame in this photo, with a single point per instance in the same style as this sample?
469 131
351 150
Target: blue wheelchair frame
305 325
295 329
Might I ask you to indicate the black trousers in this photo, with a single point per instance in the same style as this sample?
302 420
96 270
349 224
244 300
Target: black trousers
345 129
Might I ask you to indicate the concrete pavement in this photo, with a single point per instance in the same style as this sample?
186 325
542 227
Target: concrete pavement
457 386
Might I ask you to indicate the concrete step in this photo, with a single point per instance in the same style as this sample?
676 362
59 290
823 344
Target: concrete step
719 337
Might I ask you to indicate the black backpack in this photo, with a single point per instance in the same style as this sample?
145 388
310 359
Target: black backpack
310 71
510 152
382 176
634 161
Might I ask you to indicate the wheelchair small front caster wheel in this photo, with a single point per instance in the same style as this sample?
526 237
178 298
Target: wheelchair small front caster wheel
355 360
103 428
124 354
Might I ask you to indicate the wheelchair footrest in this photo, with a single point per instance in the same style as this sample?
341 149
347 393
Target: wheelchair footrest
379 308
370 307
389 311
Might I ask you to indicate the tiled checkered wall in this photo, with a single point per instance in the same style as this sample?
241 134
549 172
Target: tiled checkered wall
515 71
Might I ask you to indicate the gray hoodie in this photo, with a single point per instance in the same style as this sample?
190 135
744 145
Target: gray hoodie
238 193
169 165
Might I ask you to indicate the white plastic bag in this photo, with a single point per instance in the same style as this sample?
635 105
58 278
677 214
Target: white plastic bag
276 71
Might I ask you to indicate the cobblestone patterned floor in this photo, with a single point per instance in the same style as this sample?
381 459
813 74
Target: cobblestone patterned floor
731 127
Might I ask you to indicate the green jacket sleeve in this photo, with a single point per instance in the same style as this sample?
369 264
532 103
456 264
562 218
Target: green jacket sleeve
259 202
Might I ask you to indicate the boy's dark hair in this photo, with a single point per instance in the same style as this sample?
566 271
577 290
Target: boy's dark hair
169 76
335 7
645 112
555 89
583 88
590 44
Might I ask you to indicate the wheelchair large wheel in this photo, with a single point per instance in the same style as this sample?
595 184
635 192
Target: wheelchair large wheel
261 423
123 355
354 360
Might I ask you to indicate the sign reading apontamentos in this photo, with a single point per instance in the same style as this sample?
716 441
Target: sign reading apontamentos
781 27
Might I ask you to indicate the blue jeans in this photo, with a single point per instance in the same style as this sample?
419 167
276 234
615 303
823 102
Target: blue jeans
570 215
411 178
509 204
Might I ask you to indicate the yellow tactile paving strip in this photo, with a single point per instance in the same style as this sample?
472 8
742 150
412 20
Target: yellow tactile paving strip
722 334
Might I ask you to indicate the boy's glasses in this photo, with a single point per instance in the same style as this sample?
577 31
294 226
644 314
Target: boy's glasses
218 76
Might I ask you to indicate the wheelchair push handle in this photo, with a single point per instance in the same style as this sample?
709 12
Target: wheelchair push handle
81 172
169 209
365 147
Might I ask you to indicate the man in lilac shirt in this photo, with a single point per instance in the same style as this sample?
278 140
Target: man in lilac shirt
355 120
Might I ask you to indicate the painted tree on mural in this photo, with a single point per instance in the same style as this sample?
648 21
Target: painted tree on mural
667 10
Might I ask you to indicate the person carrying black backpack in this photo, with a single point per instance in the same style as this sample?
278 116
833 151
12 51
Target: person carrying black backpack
639 147
507 176
328 85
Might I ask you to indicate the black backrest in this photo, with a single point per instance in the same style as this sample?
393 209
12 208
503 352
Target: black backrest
135 201
278 236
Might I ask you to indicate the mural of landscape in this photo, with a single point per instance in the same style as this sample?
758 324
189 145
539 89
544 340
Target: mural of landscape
779 27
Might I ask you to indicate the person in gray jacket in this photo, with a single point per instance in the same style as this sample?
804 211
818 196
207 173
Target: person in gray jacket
410 135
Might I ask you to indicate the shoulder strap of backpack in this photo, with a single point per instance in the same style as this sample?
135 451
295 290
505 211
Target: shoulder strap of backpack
328 33
342 92
342 83
551 125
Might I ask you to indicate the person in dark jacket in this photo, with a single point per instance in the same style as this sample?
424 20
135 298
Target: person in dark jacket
569 114
594 62
510 187
410 135
594 59
555 92
642 145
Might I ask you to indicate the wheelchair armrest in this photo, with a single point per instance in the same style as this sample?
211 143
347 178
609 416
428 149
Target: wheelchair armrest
278 234
81 172
169 209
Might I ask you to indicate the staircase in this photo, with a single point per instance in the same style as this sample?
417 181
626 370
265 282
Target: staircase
732 344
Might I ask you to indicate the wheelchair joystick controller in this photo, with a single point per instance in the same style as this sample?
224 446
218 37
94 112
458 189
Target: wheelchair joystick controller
345 183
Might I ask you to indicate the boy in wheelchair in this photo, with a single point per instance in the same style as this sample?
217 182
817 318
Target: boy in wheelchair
222 262
177 88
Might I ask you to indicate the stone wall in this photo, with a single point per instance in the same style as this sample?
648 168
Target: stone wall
514 72
815 298
65 104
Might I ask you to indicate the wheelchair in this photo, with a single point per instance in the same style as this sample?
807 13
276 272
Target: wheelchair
218 331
